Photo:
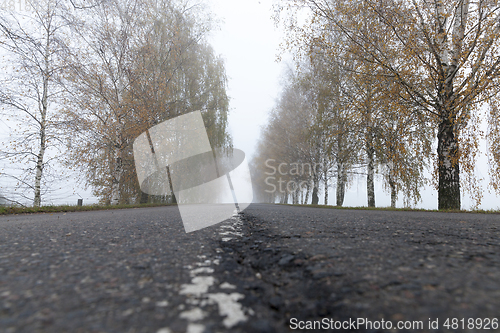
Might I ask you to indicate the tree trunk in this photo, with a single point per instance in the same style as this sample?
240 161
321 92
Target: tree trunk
116 178
392 183
37 201
284 198
341 180
448 167
271 198
315 197
144 198
326 190
394 197
370 184
370 149
448 150
308 189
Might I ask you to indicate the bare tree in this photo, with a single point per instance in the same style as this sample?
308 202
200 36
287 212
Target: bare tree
30 88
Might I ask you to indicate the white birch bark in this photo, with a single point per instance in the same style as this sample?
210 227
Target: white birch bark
448 148
308 190
37 201
326 189
370 184
116 177
341 181
117 163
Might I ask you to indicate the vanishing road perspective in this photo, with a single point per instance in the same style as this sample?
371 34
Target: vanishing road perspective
272 268
252 166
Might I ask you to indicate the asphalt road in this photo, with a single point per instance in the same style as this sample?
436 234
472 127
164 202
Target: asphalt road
273 269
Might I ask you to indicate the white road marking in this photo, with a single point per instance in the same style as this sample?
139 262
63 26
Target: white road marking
202 281
164 330
226 285
200 285
161 304
195 328
229 307
197 271
193 314
232 230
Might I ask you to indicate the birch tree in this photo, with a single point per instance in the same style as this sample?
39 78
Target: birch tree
493 137
30 90
405 144
98 108
287 163
443 54
143 62
333 123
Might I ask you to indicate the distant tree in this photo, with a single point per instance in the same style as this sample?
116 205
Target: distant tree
287 165
335 121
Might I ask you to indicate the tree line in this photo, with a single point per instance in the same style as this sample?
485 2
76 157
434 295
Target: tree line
393 88
83 79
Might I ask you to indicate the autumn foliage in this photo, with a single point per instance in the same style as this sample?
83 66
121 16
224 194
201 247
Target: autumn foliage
122 67
420 73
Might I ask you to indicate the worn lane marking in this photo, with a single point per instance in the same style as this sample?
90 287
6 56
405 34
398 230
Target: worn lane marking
232 230
199 285
193 314
226 285
195 328
229 307
202 281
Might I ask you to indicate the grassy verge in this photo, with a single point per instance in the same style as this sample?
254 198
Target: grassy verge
68 208
477 211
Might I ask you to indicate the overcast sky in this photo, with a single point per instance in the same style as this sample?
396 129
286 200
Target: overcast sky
248 42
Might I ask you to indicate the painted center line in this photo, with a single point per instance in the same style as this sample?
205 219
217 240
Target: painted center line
223 295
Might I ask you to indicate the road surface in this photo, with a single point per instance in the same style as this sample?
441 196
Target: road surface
272 269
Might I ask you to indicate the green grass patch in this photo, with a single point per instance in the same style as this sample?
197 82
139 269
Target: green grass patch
70 208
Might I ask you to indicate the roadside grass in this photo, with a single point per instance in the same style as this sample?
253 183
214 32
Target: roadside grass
405 209
71 208
6 210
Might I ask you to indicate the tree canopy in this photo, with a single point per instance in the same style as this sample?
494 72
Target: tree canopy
118 68
429 67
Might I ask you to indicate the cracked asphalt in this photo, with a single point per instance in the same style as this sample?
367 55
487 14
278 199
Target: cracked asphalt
137 270
349 264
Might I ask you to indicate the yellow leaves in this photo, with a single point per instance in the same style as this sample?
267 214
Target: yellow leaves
442 66
468 150
493 139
